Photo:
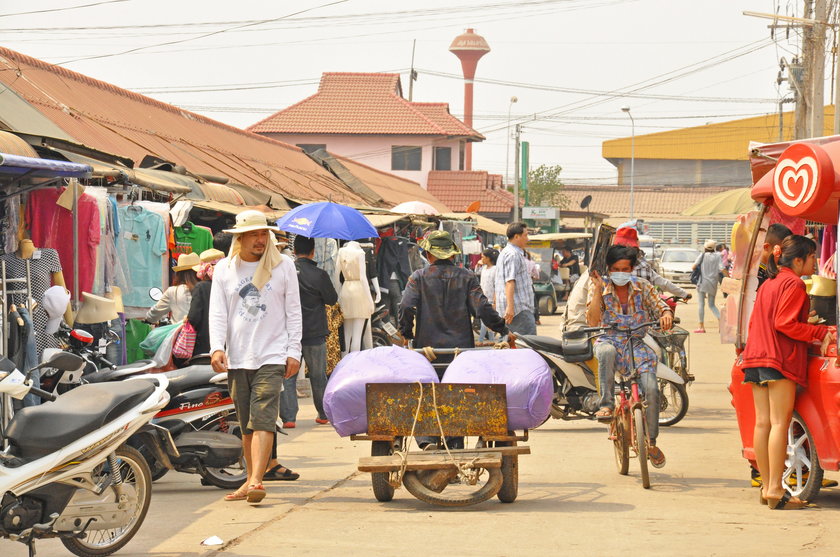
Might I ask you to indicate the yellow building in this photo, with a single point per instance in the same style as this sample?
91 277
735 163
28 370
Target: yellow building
710 155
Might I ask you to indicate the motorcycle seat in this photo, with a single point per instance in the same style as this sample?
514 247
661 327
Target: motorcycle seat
539 342
121 372
186 378
37 431
572 347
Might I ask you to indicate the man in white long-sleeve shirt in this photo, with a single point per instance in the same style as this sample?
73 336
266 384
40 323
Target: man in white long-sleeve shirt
255 332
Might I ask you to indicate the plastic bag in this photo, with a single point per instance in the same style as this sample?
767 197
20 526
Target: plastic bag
156 337
344 398
527 378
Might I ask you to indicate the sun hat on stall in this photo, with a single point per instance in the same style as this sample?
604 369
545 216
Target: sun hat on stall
116 295
626 236
439 243
55 302
822 286
709 244
186 261
246 221
96 309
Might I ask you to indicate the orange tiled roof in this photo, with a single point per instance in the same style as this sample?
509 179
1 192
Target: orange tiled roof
54 101
364 103
459 188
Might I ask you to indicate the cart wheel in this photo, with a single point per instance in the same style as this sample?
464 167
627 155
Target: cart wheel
641 444
510 474
382 490
803 474
454 496
621 444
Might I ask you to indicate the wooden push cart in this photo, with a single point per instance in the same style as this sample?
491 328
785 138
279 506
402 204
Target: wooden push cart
450 477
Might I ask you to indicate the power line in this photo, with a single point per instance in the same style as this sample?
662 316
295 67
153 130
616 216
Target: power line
64 9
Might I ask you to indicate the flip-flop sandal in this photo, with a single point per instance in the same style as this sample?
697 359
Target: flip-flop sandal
274 474
601 417
784 502
237 495
256 493
656 456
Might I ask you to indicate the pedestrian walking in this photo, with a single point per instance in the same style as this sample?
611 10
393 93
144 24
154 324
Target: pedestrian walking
775 359
514 287
255 335
488 286
711 266
316 292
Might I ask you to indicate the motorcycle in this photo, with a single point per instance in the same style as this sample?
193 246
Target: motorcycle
66 470
382 330
574 368
196 432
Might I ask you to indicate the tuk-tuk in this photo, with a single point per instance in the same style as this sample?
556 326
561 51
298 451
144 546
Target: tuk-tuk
801 188
552 285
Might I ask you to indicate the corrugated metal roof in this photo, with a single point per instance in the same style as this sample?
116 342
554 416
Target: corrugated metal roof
364 103
108 118
719 141
649 202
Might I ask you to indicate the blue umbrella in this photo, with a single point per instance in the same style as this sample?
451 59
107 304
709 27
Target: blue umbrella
327 220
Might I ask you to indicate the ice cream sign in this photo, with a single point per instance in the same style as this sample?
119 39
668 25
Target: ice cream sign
803 183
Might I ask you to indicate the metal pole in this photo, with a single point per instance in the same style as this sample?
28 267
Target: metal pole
782 120
507 145
516 175
74 183
632 155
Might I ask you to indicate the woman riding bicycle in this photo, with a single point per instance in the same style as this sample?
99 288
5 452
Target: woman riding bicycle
626 301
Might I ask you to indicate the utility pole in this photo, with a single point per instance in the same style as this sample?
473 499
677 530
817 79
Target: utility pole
817 31
516 172
802 120
412 75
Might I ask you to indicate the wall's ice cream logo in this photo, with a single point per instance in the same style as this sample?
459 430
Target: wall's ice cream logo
795 182
803 180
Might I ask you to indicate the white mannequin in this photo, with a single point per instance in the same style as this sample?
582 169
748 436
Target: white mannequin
355 299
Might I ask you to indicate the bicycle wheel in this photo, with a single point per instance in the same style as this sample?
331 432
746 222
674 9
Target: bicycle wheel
621 443
641 444
673 402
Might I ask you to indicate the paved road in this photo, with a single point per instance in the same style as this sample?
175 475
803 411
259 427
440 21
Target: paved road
571 500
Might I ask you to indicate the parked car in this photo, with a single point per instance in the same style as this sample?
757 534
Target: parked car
675 263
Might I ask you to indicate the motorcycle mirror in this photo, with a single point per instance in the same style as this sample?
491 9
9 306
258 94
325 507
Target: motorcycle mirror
65 361
112 336
156 294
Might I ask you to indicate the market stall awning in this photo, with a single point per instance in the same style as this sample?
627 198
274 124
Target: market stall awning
232 209
732 202
379 220
16 165
256 197
482 222
558 236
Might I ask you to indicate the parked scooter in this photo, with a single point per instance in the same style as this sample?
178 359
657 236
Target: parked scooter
383 331
66 471
574 369
197 432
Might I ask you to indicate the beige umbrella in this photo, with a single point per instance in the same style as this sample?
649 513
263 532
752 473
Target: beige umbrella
731 202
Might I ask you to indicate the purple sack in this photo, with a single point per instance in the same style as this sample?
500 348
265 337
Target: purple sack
526 376
344 398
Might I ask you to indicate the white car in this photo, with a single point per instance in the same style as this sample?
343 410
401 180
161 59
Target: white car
675 263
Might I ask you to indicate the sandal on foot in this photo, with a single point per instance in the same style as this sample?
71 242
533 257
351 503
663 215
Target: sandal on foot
238 495
761 498
699 330
280 473
604 414
656 456
786 502
255 494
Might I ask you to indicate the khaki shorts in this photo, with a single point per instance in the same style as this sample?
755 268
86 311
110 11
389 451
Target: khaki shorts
256 396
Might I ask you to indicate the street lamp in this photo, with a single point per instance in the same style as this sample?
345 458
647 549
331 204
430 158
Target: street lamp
507 148
632 155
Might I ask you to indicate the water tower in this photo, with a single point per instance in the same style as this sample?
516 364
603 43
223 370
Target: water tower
469 48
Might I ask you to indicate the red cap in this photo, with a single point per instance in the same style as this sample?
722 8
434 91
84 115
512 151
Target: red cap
626 236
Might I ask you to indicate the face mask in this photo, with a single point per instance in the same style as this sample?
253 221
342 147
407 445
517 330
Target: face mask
620 279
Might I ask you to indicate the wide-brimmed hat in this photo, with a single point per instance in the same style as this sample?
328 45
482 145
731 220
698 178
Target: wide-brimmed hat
822 286
439 243
96 309
246 221
211 254
187 261
626 236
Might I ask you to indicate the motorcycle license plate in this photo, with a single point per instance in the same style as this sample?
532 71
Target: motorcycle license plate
390 329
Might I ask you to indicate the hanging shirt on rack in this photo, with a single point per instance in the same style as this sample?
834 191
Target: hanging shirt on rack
143 244
51 226
191 238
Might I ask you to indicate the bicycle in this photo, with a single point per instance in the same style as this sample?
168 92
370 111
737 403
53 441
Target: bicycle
673 397
628 427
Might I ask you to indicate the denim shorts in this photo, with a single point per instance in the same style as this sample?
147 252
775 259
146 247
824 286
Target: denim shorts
256 396
762 375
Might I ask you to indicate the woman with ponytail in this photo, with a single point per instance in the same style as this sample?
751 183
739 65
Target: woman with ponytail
775 359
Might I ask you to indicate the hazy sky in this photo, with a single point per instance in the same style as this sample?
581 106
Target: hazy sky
689 61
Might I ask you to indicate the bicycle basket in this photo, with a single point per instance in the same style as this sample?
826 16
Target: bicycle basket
673 340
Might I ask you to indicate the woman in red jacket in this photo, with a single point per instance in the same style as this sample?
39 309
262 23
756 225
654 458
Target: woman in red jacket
775 359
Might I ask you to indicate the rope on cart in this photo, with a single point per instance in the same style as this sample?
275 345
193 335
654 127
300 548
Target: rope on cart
466 471
395 479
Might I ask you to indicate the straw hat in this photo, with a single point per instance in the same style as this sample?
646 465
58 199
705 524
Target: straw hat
822 286
210 255
116 295
246 221
439 243
96 309
187 261
710 244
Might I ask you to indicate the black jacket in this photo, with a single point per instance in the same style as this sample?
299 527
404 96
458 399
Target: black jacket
444 298
316 292
199 316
